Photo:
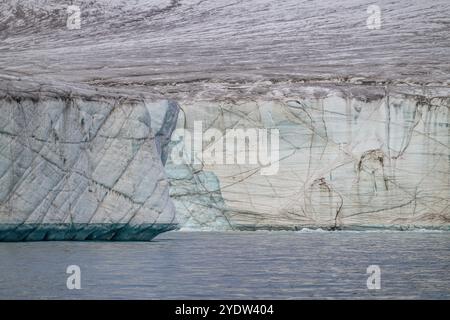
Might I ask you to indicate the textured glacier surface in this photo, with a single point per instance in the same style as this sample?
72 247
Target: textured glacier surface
348 159
75 168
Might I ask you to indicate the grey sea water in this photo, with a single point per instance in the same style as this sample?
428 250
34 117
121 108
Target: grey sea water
233 265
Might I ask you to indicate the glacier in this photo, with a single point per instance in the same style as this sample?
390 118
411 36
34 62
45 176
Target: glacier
88 117
91 166
351 157
83 168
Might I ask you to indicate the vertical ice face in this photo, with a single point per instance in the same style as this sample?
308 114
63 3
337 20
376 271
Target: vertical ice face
99 168
345 161
195 192
82 168
102 168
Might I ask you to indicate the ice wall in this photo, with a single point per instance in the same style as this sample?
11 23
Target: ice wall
83 168
92 167
375 160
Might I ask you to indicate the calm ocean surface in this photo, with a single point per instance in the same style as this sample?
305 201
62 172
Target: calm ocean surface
233 265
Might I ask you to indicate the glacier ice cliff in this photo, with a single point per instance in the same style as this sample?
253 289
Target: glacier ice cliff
100 167
349 158
82 168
